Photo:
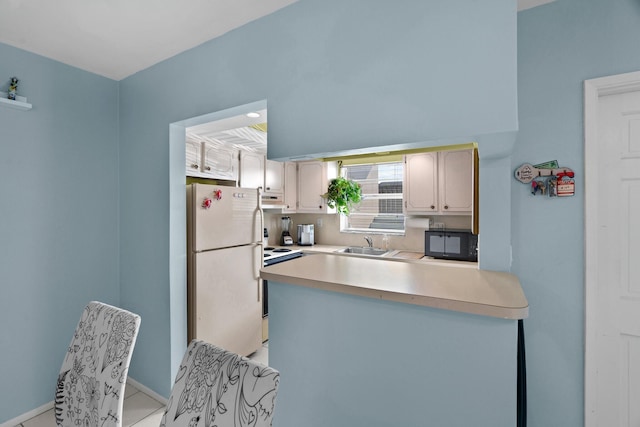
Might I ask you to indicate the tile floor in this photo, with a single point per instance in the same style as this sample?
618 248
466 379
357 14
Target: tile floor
140 410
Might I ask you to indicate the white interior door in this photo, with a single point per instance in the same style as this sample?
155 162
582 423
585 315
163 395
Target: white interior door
612 374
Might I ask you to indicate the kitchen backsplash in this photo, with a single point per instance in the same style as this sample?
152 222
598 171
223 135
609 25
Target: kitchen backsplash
327 231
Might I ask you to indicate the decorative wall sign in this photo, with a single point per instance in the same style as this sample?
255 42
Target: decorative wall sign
547 179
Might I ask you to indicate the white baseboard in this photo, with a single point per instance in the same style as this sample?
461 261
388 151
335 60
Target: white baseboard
47 406
28 415
146 390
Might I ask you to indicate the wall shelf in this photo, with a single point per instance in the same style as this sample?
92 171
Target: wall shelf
19 104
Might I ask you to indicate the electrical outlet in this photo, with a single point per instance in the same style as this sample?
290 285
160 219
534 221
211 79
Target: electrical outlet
319 222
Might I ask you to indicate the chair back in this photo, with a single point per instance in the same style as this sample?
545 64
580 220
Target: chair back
90 389
215 387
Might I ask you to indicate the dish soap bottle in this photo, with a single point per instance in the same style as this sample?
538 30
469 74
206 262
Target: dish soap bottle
385 242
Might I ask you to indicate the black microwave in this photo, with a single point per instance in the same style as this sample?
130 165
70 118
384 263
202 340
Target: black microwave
460 245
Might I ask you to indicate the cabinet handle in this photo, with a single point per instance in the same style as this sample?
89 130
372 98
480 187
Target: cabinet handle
194 166
319 206
207 168
268 188
432 207
446 207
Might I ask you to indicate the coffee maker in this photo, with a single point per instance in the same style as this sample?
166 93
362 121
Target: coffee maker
287 240
305 235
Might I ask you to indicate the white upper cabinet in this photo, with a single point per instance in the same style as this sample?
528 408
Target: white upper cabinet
274 182
456 181
251 169
219 162
421 183
313 181
290 187
439 183
209 160
193 155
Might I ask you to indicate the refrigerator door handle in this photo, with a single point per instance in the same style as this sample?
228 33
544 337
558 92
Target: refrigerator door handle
257 275
260 261
261 213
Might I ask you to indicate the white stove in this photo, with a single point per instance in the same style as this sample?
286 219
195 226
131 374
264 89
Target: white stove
274 255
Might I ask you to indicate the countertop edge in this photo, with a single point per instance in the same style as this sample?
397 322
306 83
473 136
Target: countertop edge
503 312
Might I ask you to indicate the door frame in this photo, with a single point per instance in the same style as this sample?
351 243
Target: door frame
593 90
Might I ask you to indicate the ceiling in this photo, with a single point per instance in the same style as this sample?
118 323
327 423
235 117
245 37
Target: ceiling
248 133
117 38
528 4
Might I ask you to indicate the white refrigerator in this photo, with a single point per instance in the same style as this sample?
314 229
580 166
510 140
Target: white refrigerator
224 250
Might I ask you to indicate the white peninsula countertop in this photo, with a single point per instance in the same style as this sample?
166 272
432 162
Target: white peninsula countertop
468 290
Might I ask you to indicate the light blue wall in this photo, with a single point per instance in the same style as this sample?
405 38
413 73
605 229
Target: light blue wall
347 360
373 75
559 46
378 73
58 218
336 76
59 172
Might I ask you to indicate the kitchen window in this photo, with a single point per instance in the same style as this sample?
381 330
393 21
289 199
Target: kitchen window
380 209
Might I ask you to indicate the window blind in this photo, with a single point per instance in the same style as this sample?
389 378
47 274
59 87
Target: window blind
381 206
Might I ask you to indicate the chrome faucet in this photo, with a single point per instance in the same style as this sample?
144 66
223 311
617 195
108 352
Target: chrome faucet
369 241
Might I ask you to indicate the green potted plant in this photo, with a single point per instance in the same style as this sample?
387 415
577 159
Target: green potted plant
342 194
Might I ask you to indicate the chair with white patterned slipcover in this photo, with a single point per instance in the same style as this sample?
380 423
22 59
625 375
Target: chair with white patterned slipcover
91 383
215 387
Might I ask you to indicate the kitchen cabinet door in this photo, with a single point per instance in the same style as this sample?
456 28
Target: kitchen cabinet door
219 162
290 187
274 178
420 190
313 181
455 176
251 169
193 157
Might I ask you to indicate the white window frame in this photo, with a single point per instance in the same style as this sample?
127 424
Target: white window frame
344 219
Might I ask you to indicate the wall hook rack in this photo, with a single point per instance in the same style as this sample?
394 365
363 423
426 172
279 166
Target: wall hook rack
547 179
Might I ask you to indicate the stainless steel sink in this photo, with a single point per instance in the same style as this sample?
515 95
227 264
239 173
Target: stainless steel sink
363 250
